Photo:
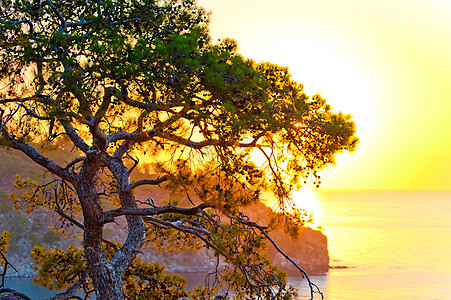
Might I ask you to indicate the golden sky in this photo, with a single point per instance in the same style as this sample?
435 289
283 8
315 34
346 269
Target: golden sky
386 62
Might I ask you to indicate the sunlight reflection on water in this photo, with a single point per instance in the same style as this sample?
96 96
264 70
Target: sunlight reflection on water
397 245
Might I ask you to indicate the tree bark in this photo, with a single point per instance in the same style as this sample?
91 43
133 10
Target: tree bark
136 229
107 282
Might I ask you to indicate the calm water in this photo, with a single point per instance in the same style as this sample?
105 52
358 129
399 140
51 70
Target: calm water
396 245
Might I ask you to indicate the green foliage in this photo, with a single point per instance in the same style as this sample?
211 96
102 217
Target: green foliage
26 195
129 81
202 293
58 269
150 281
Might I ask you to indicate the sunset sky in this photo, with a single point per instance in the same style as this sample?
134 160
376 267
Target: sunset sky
386 62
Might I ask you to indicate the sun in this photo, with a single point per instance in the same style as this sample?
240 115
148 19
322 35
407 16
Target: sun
307 199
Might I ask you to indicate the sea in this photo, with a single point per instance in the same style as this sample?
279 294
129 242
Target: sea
383 244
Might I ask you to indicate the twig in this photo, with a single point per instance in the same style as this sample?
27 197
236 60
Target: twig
7 263
263 231
70 292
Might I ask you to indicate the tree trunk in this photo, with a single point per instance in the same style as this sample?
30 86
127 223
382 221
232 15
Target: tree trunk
107 282
136 229
107 275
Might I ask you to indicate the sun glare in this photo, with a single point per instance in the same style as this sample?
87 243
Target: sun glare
307 199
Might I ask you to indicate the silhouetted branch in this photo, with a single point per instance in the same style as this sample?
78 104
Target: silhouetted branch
108 216
70 292
134 136
5 268
148 182
179 225
28 22
32 113
14 293
313 287
58 14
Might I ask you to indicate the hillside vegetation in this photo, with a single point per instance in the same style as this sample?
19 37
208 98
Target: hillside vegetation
37 228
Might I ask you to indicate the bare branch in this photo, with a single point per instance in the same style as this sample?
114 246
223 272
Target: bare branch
4 119
108 216
210 142
79 225
313 287
135 163
109 92
14 293
135 136
73 135
5 268
126 145
33 114
148 135
70 292
28 22
200 232
75 161
69 218
148 182
38 158
58 14
81 23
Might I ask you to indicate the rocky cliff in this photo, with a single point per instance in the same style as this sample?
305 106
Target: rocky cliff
310 251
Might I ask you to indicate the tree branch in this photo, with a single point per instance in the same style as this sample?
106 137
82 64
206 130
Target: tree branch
4 119
148 182
134 136
5 268
196 231
58 14
141 20
72 290
211 142
39 158
126 145
75 161
33 114
108 216
14 293
313 287
73 135
79 225
109 93
28 22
